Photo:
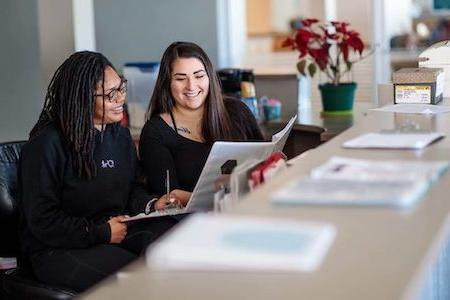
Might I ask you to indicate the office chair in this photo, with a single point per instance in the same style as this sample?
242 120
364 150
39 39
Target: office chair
18 283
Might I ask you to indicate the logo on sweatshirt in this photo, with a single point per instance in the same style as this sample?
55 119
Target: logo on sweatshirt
107 163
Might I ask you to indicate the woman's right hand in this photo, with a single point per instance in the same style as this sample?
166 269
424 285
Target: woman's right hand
182 196
118 229
164 203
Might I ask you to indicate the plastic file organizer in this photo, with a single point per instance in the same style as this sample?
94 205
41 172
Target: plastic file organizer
141 82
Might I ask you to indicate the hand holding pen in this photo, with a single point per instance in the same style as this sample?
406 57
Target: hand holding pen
171 201
168 200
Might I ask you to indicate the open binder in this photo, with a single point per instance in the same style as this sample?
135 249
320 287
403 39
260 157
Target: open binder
202 198
239 151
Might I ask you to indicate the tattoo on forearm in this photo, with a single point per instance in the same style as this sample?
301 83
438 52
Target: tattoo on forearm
184 130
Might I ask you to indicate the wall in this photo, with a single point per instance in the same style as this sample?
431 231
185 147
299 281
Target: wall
358 14
140 30
21 94
286 10
268 16
55 35
398 17
259 18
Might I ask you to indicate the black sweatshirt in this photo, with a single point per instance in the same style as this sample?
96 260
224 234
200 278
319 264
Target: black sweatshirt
161 149
61 210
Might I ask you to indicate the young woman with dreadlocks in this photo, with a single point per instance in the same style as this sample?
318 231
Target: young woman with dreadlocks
78 179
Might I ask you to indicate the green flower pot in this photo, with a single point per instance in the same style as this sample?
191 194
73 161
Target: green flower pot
337 98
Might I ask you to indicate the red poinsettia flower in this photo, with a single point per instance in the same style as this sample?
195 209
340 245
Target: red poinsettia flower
314 41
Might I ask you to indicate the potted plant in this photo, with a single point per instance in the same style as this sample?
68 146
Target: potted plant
328 47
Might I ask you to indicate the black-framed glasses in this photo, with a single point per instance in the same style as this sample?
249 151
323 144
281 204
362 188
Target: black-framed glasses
113 95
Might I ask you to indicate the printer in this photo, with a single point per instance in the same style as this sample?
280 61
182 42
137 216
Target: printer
438 56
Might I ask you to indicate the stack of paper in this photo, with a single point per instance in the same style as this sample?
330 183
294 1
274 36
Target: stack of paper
242 243
331 192
346 181
373 170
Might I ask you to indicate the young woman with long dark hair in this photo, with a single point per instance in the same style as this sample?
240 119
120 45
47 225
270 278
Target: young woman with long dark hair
186 115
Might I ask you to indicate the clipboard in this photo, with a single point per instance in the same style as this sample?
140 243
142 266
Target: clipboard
202 198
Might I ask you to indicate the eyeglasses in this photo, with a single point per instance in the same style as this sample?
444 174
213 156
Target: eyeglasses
113 95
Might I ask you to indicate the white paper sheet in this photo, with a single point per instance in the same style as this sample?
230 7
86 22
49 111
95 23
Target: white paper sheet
393 140
310 191
415 108
345 168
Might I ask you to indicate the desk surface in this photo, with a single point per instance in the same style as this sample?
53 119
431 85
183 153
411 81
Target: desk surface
378 253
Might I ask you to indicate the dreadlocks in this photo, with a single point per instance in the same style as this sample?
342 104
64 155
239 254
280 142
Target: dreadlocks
70 102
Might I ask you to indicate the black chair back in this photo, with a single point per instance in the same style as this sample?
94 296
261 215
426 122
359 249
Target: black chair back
18 283
9 160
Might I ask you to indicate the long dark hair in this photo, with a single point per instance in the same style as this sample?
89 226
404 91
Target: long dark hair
70 104
216 124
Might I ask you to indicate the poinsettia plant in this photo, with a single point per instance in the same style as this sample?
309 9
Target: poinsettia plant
327 47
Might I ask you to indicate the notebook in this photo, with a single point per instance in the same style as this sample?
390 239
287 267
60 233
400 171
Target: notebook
202 198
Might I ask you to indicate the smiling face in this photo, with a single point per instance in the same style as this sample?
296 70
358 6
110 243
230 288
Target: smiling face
189 83
113 109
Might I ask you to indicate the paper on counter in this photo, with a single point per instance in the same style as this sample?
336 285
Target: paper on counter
346 168
414 108
311 191
362 182
393 140
238 243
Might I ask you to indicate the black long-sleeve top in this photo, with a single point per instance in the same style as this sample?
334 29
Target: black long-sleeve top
161 148
61 210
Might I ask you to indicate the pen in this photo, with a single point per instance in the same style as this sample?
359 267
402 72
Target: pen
168 184
169 201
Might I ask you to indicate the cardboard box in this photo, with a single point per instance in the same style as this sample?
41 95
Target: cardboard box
418 85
